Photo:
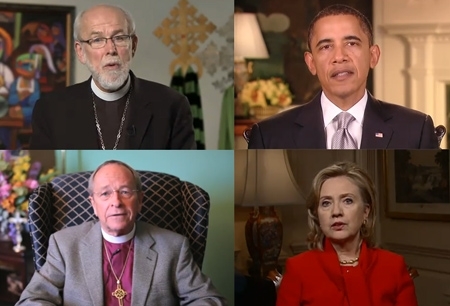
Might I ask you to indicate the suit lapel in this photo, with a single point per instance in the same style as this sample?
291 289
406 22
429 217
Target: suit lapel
330 262
376 133
144 263
310 132
82 131
81 127
91 253
358 286
140 112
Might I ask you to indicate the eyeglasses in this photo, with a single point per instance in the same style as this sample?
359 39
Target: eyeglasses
100 42
124 193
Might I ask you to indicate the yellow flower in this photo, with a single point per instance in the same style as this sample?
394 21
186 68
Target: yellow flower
252 95
8 203
24 206
14 172
261 93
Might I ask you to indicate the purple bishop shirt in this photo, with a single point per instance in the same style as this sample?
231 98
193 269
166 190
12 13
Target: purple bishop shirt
118 263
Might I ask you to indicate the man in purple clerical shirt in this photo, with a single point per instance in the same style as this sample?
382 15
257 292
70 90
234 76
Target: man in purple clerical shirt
118 260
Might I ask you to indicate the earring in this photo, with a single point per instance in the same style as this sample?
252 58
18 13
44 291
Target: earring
364 221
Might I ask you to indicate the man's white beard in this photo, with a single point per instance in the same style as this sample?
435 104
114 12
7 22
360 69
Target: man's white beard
110 80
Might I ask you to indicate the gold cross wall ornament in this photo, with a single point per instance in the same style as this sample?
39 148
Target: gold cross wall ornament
183 31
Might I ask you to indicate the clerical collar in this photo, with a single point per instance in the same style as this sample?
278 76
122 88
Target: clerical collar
110 96
119 239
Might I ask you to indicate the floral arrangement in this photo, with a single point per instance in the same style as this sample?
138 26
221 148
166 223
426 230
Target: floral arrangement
18 178
263 93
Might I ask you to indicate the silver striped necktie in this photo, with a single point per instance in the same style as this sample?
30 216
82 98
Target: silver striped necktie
342 138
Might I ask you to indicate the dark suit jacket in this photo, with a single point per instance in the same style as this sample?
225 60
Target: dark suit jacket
164 271
316 278
302 128
160 118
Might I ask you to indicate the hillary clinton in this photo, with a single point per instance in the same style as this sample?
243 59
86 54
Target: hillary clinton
343 266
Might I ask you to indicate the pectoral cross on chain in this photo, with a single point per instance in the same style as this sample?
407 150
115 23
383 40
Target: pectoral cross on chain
119 293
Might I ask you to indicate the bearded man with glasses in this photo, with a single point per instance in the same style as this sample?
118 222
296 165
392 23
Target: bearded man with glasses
113 109
139 263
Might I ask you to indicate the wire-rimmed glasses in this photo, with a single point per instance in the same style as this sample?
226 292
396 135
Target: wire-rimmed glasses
124 193
100 42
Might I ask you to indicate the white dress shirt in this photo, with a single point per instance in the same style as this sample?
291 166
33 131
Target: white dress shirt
330 111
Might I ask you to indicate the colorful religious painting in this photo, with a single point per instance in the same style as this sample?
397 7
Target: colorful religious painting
35 58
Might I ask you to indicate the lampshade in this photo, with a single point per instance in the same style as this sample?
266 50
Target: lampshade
248 40
268 180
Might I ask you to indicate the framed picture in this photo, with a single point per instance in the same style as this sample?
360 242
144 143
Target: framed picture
417 184
35 58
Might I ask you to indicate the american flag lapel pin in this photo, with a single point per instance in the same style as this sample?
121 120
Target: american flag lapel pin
379 135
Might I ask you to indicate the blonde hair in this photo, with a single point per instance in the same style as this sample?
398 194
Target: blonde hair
366 188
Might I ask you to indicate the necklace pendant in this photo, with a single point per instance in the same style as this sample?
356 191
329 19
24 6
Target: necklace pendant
119 293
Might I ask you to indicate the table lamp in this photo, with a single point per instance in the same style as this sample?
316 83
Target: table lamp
268 182
248 44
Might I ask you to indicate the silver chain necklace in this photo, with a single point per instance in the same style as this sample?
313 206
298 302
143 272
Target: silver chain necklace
97 123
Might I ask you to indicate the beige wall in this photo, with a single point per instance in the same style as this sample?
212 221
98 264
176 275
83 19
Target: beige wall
426 247
414 36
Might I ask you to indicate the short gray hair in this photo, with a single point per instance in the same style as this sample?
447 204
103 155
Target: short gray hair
77 23
136 176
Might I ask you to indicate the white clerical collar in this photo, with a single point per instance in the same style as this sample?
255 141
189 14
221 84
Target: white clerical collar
110 96
119 239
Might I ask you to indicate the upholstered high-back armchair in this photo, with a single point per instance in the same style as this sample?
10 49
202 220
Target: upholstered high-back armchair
168 203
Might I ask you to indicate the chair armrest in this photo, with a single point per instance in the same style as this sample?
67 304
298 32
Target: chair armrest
275 277
246 134
413 272
440 131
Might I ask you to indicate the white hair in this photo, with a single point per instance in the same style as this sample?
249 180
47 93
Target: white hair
77 23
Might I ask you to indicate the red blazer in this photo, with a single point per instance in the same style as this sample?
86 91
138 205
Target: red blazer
316 278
